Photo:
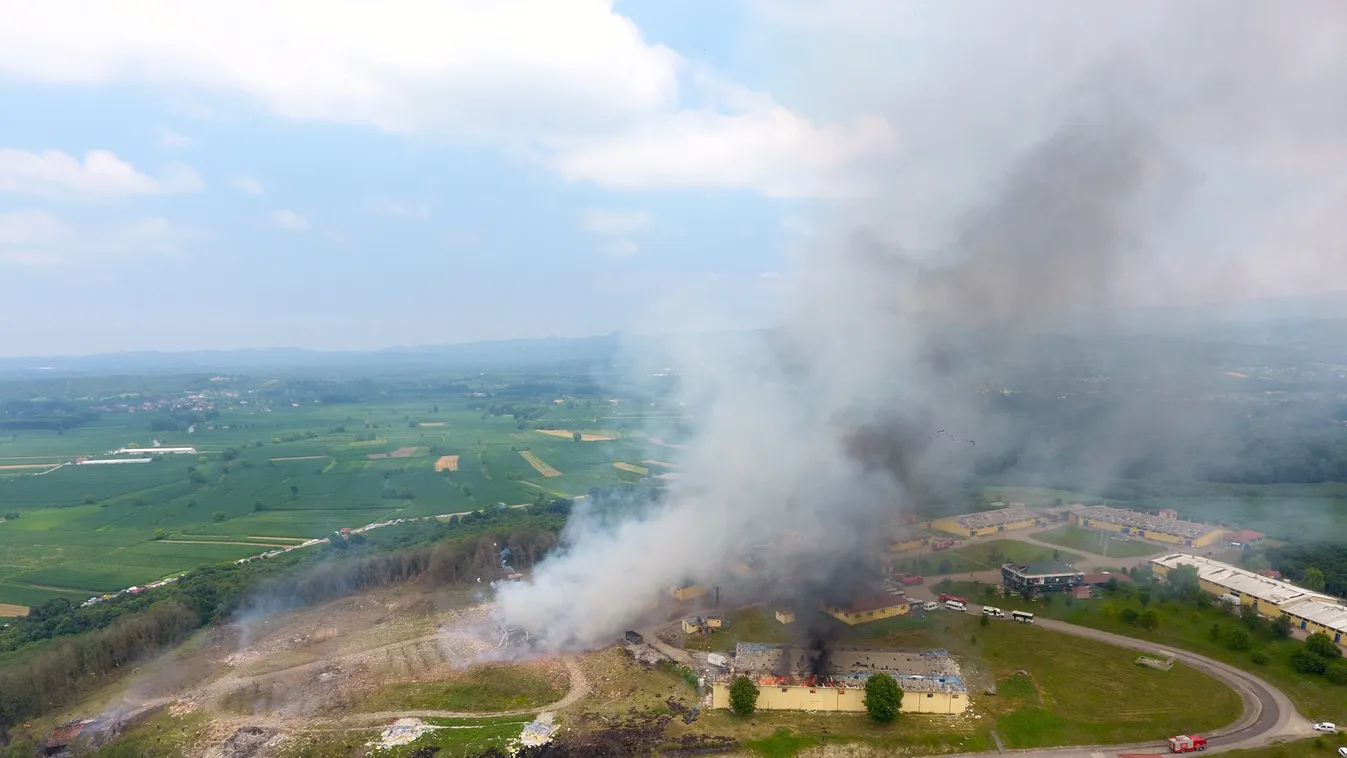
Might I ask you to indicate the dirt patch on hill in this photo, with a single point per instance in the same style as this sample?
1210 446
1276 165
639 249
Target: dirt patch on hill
447 463
11 611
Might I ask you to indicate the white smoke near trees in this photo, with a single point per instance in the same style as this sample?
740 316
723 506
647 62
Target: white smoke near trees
880 386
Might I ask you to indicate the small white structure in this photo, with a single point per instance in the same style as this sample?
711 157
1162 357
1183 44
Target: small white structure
716 659
155 450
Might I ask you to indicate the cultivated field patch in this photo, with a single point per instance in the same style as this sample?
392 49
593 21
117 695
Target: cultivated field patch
632 467
661 464
10 611
584 436
402 452
28 466
433 423
301 458
538 464
447 463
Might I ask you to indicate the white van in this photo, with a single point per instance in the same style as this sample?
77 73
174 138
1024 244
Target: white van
988 610
930 605
955 605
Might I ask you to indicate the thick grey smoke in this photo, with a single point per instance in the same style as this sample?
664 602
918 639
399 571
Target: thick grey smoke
883 384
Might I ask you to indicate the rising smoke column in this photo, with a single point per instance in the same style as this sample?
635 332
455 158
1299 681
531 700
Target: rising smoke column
826 432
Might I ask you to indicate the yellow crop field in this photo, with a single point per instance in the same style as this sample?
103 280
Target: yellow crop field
7 610
538 465
632 467
447 463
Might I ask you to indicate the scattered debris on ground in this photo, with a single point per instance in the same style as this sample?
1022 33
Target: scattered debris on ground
636 733
246 742
402 732
539 731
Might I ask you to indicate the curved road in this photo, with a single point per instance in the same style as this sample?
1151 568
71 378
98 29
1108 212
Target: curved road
1268 714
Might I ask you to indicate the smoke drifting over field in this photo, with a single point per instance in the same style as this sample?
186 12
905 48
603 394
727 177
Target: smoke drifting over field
880 385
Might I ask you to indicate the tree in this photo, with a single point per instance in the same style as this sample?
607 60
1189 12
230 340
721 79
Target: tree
1281 627
1149 620
1215 632
985 620
577 436
743 696
217 516
294 489
1313 579
1144 597
883 697
1111 585
1108 611
1322 645
1129 616
1337 673
1238 639
159 534
1308 663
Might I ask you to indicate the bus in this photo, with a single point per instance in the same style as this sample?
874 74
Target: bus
1024 616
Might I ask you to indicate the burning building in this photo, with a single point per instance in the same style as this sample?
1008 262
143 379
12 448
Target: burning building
833 679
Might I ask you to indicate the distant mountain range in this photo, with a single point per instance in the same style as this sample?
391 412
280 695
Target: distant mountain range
1318 322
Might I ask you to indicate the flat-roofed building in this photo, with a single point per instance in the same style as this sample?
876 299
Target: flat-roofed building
1310 611
1015 516
867 609
1039 578
1137 524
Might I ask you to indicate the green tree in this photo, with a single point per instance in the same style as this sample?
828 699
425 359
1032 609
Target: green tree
1238 639
294 489
985 620
1281 627
883 697
1307 662
159 534
1149 620
1322 645
217 516
577 436
1129 616
1313 580
743 696
1107 610
1144 597
1337 673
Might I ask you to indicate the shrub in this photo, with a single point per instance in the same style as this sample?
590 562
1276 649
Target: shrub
883 697
1322 645
1239 640
1337 673
1307 662
1259 657
743 696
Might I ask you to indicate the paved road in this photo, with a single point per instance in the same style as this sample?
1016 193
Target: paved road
1268 715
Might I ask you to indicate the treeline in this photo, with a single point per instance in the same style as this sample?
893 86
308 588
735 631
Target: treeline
181 421
93 643
50 415
1318 566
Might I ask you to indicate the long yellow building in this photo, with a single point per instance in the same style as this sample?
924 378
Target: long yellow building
688 592
798 697
1309 611
869 609
1146 526
987 522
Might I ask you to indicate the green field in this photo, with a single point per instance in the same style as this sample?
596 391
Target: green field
984 556
482 689
1037 497
1188 627
1099 543
272 470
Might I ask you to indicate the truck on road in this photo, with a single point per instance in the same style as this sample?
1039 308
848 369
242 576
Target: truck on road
945 598
908 580
1187 743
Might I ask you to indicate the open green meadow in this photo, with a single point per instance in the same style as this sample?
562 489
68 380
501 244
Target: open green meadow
275 471
1097 542
982 556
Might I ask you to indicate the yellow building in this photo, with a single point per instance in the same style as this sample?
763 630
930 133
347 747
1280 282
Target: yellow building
715 622
785 614
693 625
1146 526
1308 611
988 522
869 609
688 592
918 697
908 543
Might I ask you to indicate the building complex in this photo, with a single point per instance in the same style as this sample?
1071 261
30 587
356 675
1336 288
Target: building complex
930 679
1310 611
1015 516
1165 528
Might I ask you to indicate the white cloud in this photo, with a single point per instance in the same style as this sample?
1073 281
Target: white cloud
33 237
171 140
616 223
620 247
577 85
248 184
287 219
404 210
55 174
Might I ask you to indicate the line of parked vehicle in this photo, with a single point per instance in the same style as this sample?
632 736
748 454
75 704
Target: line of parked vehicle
960 604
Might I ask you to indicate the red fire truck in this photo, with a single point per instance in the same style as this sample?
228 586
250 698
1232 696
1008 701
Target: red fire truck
942 543
908 579
955 598
1187 744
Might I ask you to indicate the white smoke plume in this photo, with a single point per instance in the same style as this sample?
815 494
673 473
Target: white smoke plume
880 384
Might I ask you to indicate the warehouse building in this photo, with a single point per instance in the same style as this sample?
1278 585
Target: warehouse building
1013 517
1144 525
686 592
1038 578
930 679
867 609
1309 611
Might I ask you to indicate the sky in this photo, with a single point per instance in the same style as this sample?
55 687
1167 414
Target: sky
351 175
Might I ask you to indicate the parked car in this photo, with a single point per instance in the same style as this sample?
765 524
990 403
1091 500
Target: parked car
930 606
1327 727
1342 751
